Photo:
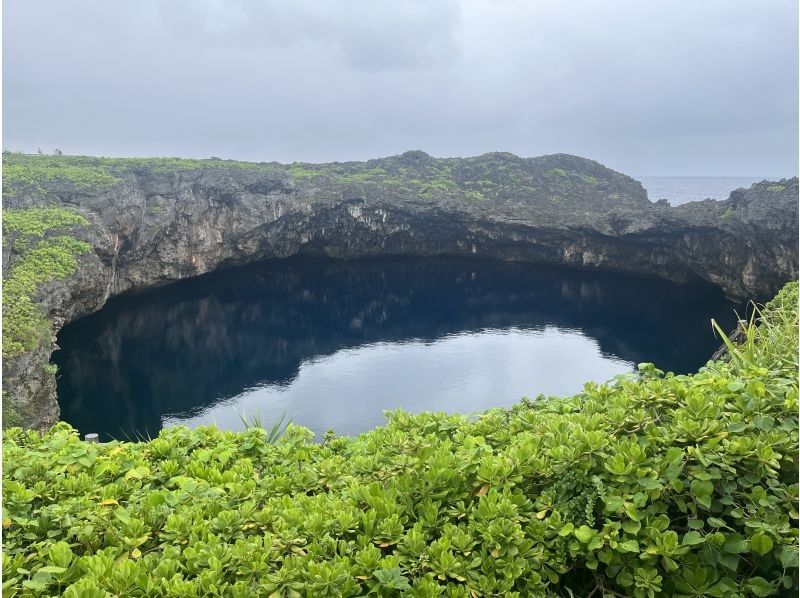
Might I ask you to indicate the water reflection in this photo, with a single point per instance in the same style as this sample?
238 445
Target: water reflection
335 343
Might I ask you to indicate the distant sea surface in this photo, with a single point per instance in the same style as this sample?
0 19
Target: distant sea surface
682 189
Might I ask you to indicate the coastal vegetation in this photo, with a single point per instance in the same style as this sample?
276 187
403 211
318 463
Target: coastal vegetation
652 484
40 173
479 178
44 254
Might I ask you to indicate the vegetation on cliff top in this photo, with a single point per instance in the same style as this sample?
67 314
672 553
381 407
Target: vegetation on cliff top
42 256
41 172
649 485
478 178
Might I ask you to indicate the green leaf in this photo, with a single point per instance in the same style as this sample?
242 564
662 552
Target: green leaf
566 530
649 483
764 422
632 527
584 533
629 546
735 544
702 490
761 587
674 454
595 543
731 561
789 557
625 579
692 538
155 499
761 544
716 522
60 554
724 587
614 503
669 564
392 578
138 473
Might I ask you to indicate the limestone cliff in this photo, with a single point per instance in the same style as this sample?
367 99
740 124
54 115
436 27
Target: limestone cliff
158 220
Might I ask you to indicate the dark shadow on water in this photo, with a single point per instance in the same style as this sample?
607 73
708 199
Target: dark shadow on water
180 349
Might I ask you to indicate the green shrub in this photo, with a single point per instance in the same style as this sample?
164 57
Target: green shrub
302 173
21 171
36 221
480 178
651 485
24 325
11 418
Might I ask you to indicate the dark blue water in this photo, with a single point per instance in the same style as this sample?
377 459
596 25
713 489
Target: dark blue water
333 344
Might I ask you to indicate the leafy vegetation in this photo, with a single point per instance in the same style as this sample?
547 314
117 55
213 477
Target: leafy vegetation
426 177
11 417
570 178
88 173
37 221
52 257
23 171
485 177
653 485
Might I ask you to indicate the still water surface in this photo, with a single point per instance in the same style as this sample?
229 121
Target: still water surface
333 344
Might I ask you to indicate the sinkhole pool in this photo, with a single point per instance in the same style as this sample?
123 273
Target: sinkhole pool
332 344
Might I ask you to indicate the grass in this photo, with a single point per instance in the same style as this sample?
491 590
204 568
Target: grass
274 433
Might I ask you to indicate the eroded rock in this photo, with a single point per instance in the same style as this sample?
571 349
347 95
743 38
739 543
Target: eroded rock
159 224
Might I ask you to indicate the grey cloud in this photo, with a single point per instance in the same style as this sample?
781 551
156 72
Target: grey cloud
676 87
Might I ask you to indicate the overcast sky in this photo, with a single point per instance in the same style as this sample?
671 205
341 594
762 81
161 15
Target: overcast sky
671 87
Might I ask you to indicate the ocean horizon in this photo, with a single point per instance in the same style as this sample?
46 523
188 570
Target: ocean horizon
683 189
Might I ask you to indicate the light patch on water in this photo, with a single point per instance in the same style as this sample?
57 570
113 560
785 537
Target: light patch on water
461 373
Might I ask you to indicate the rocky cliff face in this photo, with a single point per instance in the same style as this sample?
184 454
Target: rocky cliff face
155 221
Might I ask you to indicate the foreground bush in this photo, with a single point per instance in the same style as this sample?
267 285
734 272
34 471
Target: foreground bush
654 485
